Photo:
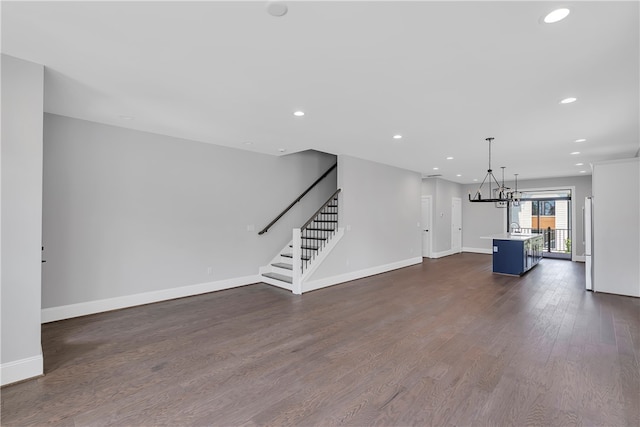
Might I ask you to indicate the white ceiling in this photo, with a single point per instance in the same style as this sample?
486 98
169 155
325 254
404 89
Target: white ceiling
445 75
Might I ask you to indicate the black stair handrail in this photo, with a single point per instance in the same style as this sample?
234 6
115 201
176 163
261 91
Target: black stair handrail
264 230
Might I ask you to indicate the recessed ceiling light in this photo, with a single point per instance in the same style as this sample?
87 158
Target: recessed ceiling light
435 169
475 179
123 117
397 136
580 140
573 153
248 143
276 8
449 158
583 171
579 164
556 15
458 175
282 150
568 100
298 113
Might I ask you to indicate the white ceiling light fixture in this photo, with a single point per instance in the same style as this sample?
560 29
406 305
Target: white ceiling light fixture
458 175
573 153
450 158
580 140
568 100
397 136
277 8
583 171
579 164
435 169
282 150
298 113
556 15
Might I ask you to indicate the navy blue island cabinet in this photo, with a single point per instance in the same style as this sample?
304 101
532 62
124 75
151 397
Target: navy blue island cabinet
516 253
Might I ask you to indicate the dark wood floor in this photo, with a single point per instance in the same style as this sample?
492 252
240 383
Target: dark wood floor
442 343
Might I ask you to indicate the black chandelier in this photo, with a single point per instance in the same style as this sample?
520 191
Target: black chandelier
500 195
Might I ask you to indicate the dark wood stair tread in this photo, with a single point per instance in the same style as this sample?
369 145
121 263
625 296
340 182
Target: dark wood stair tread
313 248
277 276
306 258
283 265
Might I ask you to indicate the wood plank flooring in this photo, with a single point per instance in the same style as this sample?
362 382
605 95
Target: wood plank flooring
442 343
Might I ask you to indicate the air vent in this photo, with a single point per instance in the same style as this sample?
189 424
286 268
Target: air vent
434 175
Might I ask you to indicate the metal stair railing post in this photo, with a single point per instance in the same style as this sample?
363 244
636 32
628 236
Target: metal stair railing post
320 234
297 261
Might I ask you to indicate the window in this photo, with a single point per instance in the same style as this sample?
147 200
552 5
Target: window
547 208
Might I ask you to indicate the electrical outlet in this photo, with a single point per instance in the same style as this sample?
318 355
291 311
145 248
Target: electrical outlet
209 271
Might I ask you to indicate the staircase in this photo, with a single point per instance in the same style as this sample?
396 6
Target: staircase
288 269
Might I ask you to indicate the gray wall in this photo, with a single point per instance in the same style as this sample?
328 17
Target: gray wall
482 219
128 212
21 217
443 192
380 210
616 227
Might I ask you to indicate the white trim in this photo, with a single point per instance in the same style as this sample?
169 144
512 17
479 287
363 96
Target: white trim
353 275
443 253
477 250
20 370
53 314
579 258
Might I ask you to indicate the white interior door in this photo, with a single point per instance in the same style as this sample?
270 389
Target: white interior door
425 222
456 225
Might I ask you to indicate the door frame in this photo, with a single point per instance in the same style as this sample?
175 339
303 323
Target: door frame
427 226
572 208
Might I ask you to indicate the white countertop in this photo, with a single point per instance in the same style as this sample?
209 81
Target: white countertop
510 236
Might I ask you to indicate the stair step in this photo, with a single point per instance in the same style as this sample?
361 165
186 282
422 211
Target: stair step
332 206
313 248
313 238
320 229
306 258
324 220
283 265
277 276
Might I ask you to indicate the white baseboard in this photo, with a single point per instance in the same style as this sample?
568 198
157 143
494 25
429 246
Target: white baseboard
443 253
579 258
353 275
477 250
92 307
23 369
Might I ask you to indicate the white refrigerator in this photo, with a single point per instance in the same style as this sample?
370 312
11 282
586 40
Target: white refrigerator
587 215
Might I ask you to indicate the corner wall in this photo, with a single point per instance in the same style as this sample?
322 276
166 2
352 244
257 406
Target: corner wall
380 212
132 217
21 219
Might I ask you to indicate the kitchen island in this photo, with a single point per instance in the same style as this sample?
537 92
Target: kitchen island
515 253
